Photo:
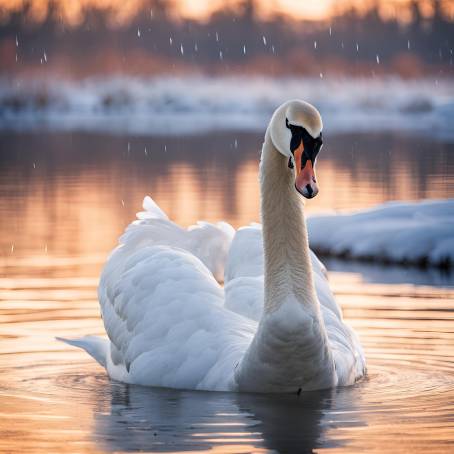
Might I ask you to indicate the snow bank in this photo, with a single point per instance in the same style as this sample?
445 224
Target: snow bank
170 105
419 233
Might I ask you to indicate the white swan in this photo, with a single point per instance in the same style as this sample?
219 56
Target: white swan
275 327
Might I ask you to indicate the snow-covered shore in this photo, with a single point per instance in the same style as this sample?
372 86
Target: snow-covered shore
420 233
192 104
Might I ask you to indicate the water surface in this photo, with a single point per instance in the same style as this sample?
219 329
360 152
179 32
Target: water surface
73 193
64 200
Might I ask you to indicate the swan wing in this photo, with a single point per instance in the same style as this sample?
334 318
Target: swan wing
245 295
209 242
163 312
245 257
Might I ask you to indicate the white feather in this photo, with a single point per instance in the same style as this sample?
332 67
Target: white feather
171 324
274 328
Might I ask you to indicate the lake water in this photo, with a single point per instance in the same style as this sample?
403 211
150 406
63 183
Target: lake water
64 200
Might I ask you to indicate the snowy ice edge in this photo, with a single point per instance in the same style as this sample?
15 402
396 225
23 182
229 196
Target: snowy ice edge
153 105
417 233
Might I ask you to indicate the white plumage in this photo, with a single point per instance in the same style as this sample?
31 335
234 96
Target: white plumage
170 322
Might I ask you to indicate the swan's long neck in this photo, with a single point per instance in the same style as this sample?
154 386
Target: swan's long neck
290 349
288 268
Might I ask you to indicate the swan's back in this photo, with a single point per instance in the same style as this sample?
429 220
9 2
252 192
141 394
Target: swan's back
163 308
171 324
163 312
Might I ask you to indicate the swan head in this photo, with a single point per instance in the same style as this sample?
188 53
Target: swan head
296 132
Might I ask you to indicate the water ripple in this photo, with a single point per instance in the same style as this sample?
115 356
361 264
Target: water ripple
59 399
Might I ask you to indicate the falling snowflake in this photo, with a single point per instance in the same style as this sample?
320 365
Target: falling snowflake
264 40
377 57
138 32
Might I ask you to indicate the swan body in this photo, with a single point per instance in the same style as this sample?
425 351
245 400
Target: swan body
273 327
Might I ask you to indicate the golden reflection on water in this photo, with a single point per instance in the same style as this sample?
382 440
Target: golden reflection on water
60 218
72 195
56 399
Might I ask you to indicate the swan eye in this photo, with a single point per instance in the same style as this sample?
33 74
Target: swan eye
297 135
295 141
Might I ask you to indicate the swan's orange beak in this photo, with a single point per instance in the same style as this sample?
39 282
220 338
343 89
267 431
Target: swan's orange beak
305 182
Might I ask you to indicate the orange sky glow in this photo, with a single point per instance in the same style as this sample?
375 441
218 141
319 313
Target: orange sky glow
123 10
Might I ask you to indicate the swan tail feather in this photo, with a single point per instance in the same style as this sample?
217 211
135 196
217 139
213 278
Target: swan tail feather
97 347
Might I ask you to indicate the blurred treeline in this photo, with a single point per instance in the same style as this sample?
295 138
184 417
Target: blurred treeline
230 41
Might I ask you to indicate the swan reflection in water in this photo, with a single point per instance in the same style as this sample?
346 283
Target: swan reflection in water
165 420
